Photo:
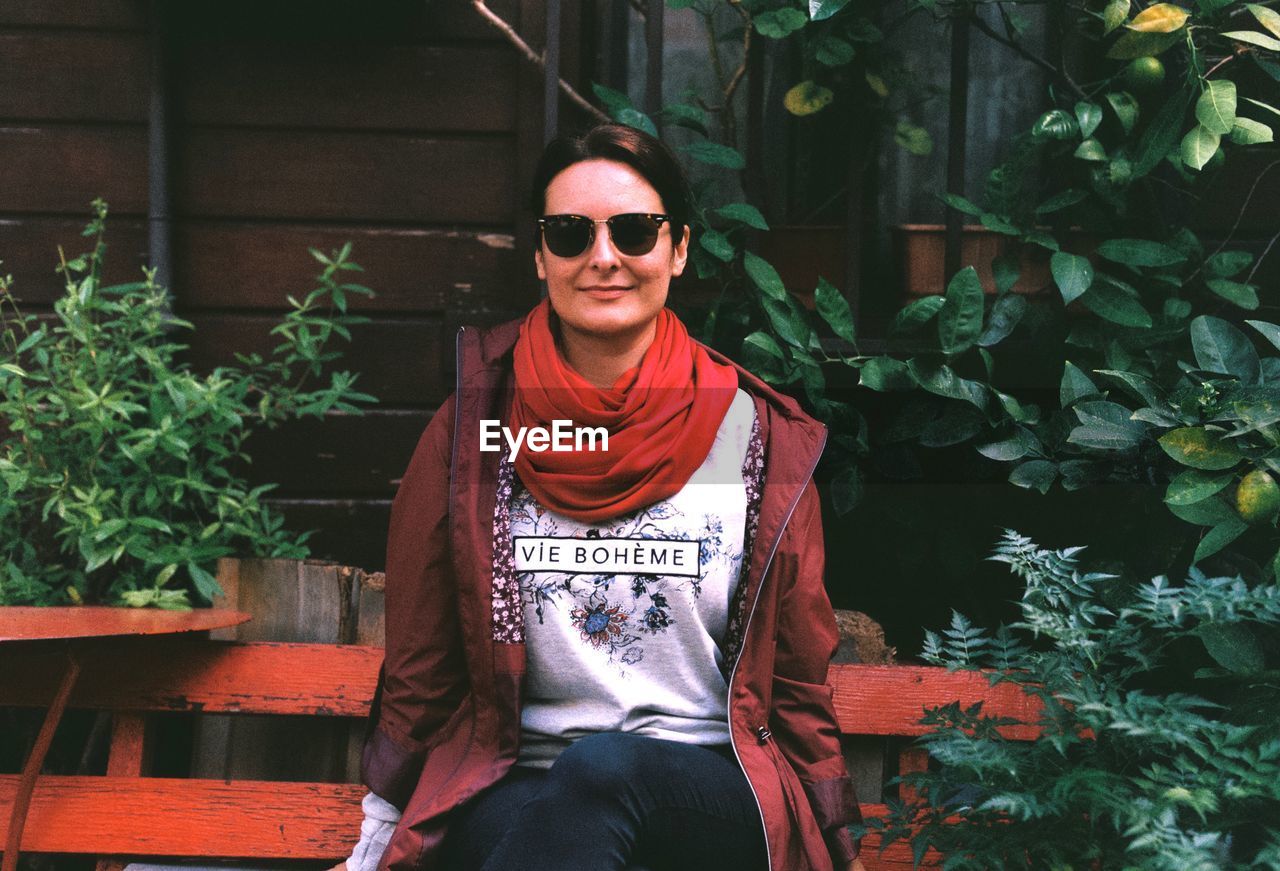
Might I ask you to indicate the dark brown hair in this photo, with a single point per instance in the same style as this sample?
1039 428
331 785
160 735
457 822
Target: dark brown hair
645 154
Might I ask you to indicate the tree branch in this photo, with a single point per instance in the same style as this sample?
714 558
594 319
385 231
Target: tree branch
1029 55
538 60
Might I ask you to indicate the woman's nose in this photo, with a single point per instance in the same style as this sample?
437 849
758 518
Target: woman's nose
603 254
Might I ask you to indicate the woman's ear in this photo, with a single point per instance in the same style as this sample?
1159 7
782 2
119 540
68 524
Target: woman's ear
680 253
538 264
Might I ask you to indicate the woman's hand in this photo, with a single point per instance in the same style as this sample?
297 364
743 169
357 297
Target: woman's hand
856 865
342 866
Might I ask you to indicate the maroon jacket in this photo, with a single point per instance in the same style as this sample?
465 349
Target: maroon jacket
447 721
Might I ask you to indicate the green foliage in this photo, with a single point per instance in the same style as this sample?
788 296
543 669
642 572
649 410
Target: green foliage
121 467
1157 744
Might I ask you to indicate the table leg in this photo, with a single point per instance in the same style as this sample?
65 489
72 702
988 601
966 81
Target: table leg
35 761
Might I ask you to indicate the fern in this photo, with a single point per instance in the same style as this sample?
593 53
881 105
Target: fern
1158 747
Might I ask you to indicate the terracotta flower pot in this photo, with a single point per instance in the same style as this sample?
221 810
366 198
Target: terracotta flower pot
921 251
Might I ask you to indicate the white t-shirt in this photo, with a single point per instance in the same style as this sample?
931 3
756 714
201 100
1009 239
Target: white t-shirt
624 619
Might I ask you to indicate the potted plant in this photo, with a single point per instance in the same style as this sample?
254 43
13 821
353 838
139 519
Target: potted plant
121 466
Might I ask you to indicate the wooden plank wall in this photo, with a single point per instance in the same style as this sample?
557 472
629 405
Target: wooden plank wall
407 127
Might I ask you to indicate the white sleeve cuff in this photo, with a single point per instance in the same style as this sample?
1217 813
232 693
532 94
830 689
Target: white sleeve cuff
380 818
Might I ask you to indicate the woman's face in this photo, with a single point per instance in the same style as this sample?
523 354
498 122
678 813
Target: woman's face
602 292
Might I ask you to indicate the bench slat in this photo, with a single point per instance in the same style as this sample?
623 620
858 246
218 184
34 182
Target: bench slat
890 699
151 816
207 676
148 816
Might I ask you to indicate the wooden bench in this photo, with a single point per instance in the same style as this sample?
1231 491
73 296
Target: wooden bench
125 815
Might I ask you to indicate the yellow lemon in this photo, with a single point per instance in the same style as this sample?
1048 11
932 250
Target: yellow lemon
1258 497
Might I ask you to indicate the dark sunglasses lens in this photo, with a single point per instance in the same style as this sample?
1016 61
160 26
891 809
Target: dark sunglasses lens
634 234
566 237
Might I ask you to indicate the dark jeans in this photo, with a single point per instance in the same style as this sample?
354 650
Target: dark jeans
611 802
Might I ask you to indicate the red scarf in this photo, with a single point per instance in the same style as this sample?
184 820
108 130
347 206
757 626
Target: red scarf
662 417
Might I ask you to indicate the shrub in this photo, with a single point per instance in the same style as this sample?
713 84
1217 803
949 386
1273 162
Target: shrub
1159 746
121 467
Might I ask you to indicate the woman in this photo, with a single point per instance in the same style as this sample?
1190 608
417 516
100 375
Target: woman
611 656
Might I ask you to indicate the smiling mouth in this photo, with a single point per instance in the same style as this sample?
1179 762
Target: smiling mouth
603 288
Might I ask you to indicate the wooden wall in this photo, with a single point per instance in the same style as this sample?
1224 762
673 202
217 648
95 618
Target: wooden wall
409 128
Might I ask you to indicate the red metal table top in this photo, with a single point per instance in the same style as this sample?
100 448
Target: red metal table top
41 624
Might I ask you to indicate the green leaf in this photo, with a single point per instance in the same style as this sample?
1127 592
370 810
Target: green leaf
941 380
787 321
1206 512
764 276
1216 108
1075 386
1249 132
715 154
1058 202
613 102
913 138
807 97
1125 107
832 51
1232 645
1193 485
998 224
1243 295
1006 314
1199 448
1017 446
764 356
1116 302
744 213
1252 37
206 584
1269 331
1072 273
1261 105
960 204
1222 348
1198 146
1159 18
780 23
1161 134
834 309
1034 475
1140 252
1219 537
1268 18
1091 149
916 314
637 119
684 115
1133 44
1225 264
885 373
960 319
1056 124
1114 15
820 10
1089 115
717 244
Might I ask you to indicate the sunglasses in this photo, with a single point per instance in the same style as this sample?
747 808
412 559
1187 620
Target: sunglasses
632 234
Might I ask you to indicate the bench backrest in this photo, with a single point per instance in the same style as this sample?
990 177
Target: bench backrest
126 814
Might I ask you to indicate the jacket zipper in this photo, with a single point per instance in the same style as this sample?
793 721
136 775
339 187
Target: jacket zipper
762 732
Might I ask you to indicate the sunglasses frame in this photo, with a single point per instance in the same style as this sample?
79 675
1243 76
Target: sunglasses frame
657 217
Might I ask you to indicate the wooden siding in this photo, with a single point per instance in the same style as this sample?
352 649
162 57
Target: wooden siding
409 129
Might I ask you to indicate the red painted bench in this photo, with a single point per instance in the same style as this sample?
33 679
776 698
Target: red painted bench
125 815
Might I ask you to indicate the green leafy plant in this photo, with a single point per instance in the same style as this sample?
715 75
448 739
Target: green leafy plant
1157 744
122 468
